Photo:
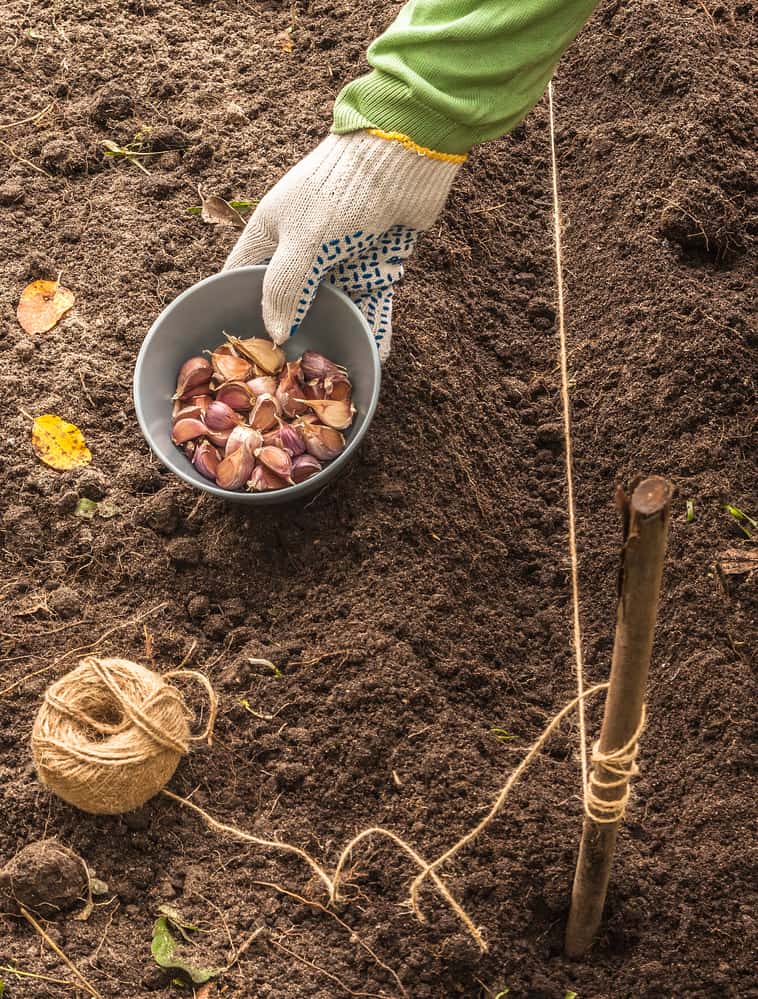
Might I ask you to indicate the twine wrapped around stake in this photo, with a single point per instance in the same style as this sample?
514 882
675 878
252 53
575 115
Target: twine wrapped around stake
109 734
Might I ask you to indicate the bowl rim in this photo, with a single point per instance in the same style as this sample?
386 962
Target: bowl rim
289 493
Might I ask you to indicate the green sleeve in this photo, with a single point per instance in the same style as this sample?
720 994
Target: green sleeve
451 73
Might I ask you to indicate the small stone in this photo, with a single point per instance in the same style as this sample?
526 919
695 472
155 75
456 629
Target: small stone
64 602
44 876
513 389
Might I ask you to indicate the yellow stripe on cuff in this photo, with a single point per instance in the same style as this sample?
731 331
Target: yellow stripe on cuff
414 147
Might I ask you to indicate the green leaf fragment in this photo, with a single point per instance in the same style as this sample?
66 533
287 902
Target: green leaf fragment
177 919
690 511
570 994
86 508
163 948
502 735
741 518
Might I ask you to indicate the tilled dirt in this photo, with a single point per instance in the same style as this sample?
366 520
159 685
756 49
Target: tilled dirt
424 600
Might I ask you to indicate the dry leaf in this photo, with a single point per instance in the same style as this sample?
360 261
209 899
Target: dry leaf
59 444
216 211
284 40
42 304
738 561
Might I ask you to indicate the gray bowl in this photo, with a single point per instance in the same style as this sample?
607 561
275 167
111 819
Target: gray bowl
231 301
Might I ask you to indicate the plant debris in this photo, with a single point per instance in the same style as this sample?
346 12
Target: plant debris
164 944
216 211
42 305
59 444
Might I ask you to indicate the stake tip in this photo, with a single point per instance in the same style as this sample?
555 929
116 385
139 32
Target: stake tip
652 496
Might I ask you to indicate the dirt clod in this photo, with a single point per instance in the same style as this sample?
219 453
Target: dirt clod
44 876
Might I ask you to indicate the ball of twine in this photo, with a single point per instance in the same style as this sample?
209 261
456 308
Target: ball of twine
109 734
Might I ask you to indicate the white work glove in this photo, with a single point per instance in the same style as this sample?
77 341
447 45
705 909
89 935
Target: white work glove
348 213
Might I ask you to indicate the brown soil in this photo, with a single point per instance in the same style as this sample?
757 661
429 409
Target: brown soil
424 600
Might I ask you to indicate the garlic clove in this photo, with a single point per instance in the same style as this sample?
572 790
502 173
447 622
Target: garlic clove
265 412
286 436
277 460
290 386
262 385
186 411
314 389
206 460
230 367
194 372
317 366
237 395
304 466
235 469
220 417
324 443
204 389
336 413
263 353
243 436
187 430
201 401
218 437
263 480
338 388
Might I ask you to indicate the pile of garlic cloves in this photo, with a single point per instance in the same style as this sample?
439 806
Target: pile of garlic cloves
248 419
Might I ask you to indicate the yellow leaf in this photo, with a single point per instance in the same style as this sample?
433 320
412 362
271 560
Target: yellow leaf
59 444
42 304
284 40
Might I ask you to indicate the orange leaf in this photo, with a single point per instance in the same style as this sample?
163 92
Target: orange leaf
42 304
59 444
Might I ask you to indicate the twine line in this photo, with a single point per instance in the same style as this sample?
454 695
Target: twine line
620 762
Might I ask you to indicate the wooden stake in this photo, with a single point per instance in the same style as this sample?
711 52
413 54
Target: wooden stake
646 518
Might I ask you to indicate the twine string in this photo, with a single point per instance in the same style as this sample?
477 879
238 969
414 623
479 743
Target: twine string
620 762
110 734
205 683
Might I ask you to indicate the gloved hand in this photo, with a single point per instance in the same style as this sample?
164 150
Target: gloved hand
348 213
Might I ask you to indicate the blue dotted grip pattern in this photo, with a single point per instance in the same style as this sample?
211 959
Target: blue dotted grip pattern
365 266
